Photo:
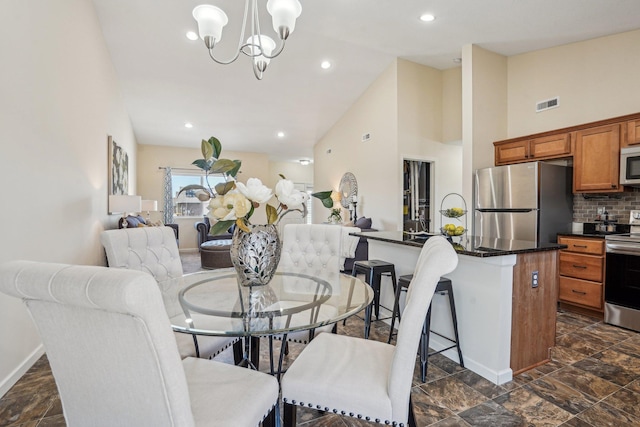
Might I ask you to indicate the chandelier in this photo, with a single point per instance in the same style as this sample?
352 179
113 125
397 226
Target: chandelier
261 48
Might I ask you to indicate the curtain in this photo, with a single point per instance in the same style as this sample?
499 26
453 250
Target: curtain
168 197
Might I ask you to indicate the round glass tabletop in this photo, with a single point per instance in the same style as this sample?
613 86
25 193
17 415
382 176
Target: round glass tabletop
213 303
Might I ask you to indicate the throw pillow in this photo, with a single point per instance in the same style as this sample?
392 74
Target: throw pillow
132 221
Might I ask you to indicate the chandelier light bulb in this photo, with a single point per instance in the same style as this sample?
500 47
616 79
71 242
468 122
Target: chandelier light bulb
210 20
284 14
261 57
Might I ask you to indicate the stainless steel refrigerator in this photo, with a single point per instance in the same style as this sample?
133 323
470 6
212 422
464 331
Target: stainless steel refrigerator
527 201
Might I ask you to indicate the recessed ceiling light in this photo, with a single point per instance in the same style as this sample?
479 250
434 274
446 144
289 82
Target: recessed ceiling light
325 65
192 36
304 162
280 134
427 17
188 125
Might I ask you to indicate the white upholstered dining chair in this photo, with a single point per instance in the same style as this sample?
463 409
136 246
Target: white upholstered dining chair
363 378
314 250
154 250
114 359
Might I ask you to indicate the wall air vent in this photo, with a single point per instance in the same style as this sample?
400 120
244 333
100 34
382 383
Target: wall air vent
548 104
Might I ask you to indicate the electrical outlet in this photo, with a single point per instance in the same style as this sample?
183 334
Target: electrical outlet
534 279
600 211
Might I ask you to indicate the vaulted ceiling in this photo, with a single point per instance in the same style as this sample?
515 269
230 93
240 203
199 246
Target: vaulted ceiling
168 80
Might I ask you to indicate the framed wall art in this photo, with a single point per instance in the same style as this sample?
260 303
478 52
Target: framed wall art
118 169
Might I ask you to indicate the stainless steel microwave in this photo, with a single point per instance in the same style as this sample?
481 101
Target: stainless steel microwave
630 166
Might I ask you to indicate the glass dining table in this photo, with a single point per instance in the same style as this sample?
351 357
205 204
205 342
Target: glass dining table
214 303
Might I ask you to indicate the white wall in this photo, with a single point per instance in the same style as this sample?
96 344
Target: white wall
293 171
452 105
59 99
150 178
484 110
595 80
404 112
373 162
421 100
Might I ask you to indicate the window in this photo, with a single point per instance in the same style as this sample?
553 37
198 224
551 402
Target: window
187 204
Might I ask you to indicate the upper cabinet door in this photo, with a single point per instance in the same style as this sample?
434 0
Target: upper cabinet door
528 150
596 162
511 152
552 146
633 133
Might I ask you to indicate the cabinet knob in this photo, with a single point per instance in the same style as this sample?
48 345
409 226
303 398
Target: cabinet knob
614 186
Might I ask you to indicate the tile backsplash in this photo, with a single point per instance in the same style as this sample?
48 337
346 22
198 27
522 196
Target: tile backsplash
617 205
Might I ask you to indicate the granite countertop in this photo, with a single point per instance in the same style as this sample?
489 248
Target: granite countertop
589 229
598 234
470 245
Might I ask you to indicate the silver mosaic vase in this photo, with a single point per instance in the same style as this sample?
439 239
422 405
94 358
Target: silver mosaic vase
256 255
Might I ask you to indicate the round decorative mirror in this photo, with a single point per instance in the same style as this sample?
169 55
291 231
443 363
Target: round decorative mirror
348 189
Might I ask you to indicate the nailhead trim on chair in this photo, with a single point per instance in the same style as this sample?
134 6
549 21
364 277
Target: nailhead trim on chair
351 414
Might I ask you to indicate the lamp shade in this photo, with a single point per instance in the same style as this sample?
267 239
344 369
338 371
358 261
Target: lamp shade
267 45
149 205
284 14
210 20
124 203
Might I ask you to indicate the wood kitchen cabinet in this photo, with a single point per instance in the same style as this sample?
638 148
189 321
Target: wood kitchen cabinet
533 318
582 270
596 161
632 134
527 150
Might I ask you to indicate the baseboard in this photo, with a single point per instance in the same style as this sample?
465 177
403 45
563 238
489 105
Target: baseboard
189 251
496 377
19 371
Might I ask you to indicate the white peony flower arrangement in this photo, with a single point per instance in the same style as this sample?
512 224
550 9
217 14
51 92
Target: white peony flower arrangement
234 202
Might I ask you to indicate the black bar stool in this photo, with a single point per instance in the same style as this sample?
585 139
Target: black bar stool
373 270
443 286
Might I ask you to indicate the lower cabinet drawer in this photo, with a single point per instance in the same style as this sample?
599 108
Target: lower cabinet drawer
585 267
580 292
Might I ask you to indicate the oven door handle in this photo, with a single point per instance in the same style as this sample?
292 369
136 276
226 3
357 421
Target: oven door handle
623 248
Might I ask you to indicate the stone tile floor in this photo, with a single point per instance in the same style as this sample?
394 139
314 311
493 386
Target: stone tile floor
593 380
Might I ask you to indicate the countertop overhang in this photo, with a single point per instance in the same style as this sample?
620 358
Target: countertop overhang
469 245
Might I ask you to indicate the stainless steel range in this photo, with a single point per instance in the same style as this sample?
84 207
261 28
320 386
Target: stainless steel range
622 285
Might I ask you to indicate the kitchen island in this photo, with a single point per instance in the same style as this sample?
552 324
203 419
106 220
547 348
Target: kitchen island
506 321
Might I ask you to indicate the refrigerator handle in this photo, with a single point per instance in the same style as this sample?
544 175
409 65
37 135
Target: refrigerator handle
507 210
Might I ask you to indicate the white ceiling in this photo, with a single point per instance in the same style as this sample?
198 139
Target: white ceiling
168 80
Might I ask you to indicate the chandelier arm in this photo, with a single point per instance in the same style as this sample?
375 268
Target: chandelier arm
223 62
278 51
240 41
